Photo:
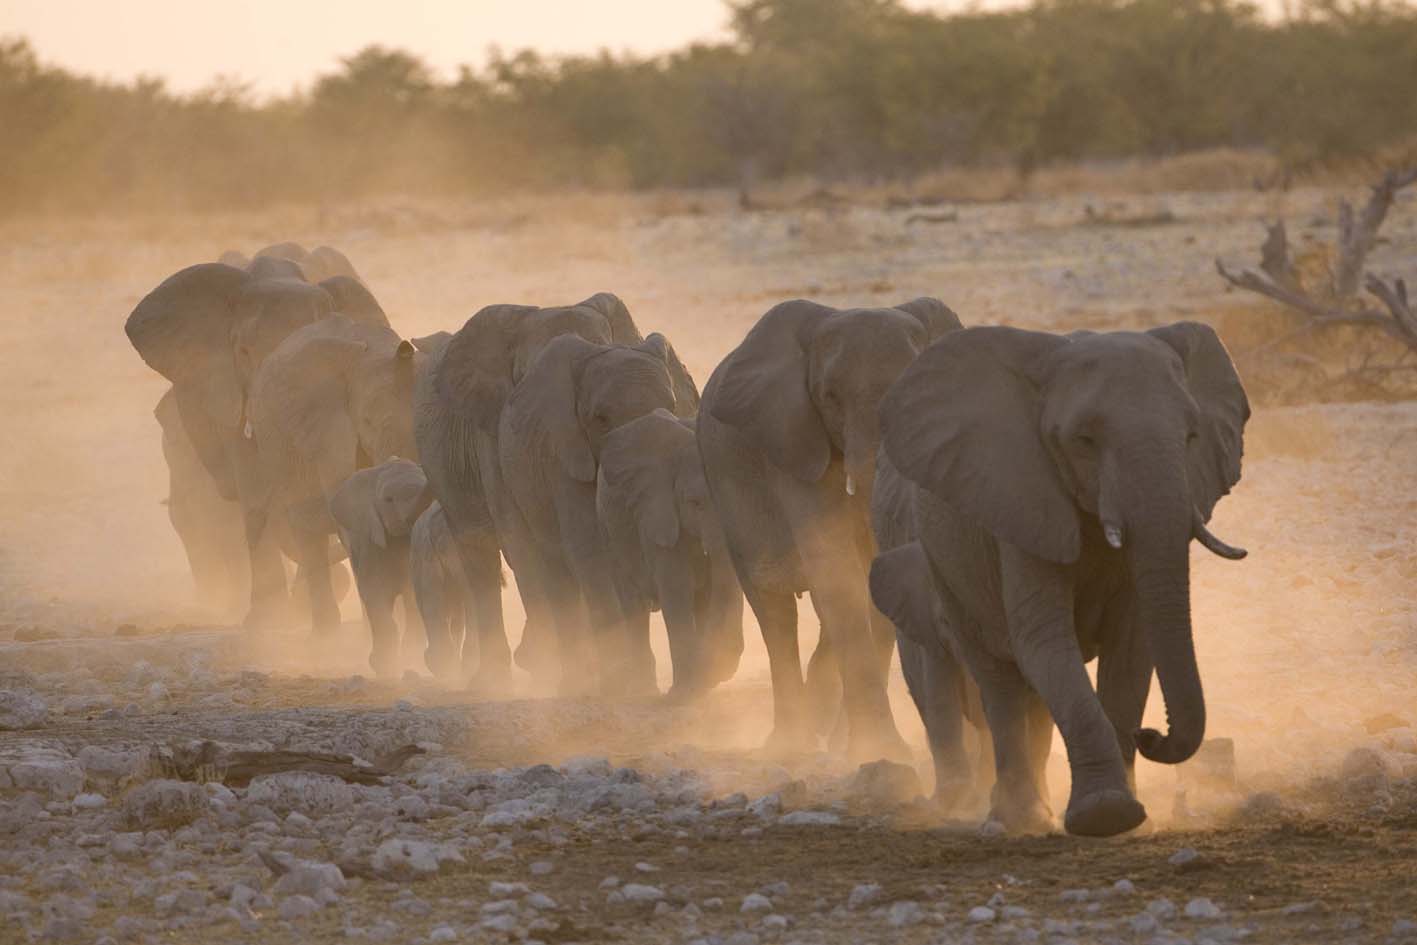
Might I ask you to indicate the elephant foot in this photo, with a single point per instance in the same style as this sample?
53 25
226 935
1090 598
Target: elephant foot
270 615
1104 813
788 739
884 743
326 626
952 794
441 665
384 665
536 654
491 682
685 694
1030 818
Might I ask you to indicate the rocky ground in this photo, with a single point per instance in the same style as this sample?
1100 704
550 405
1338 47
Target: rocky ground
541 819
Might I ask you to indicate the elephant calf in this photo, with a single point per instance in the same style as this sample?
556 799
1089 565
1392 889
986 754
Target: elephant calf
375 510
668 549
440 588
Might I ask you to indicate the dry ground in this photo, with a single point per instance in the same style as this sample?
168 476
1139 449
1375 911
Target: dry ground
1308 648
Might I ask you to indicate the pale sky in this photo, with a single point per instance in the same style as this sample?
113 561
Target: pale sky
279 44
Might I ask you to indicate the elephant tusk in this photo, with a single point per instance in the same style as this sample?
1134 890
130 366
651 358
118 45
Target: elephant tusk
1113 534
246 430
850 484
1212 544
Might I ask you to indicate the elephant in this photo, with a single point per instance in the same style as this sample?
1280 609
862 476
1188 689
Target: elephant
552 433
291 260
457 416
788 437
1058 482
667 548
440 589
374 511
209 526
335 397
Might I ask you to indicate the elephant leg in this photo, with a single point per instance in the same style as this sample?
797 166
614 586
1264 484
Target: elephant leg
482 568
1040 743
777 617
315 570
433 605
936 687
824 689
464 642
383 631
640 656
1124 679
1015 802
270 594
687 625
560 594
415 631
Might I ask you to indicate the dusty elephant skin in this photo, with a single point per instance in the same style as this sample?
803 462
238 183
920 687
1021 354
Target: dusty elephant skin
440 590
667 547
553 430
1058 481
457 419
788 436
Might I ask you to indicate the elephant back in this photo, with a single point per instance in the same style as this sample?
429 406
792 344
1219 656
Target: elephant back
182 328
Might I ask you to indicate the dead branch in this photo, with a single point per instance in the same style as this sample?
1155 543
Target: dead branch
208 761
1357 237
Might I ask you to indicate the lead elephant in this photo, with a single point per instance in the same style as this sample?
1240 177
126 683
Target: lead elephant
667 547
335 397
1060 480
457 417
788 436
553 430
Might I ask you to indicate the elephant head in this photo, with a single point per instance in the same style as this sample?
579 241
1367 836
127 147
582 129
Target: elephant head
1119 442
577 392
353 299
652 499
267 312
805 383
492 352
381 503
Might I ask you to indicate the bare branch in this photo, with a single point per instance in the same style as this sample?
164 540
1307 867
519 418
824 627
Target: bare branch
1356 238
1394 297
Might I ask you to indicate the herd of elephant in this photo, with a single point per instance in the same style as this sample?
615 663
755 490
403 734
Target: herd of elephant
1001 505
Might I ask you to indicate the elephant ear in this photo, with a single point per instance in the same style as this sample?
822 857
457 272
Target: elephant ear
963 422
903 589
637 474
352 299
623 330
1214 462
935 315
761 390
354 508
686 393
541 413
182 328
475 373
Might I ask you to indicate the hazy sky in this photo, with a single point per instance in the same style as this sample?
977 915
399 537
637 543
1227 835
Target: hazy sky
278 44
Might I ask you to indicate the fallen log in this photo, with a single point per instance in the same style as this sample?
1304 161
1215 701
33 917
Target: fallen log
237 767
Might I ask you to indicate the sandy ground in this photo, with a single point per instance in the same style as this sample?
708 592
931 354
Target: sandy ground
1308 649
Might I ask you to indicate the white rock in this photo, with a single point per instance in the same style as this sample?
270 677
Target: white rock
443 933
1161 908
21 709
905 913
107 764
767 807
541 867
756 902
157 692
498 906
1183 857
297 907
646 868
397 857
46 773
1124 887
540 901
981 914
1144 923
507 890
809 818
1074 895
164 803
310 878
773 922
610 882
504 922
863 895
640 893
90 802
1202 909
311 794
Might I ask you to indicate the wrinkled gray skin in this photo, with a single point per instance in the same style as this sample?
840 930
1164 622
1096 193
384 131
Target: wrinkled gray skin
552 432
667 547
945 696
440 589
336 396
375 510
209 526
788 436
1060 482
457 417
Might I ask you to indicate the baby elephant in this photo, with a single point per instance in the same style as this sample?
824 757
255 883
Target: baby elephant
440 587
375 510
668 549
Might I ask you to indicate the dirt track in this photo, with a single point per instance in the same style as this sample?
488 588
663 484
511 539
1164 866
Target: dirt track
1308 649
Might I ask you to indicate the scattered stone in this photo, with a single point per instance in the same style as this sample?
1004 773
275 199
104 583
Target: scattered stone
504 890
90 802
610 882
756 902
641 894
542 868
1124 887
981 914
1144 923
400 858
310 794
1162 908
443 933
1303 908
809 818
22 709
884 784
1014 913
905 913
1202 909
164 804
540 901
107 764
863 895
774 922
766 807
1075 895
308 878
48 773
1186 859
297 907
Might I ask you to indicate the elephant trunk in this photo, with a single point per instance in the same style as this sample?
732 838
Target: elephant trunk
860 442
1157 522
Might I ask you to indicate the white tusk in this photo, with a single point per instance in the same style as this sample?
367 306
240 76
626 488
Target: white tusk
1113 534
850 485
246 430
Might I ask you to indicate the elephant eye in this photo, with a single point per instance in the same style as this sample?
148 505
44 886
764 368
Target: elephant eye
1192 437
1084 440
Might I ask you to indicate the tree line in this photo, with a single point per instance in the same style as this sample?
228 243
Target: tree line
829 89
